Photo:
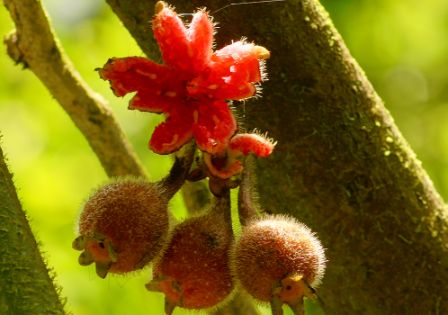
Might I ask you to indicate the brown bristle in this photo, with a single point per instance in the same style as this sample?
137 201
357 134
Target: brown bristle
127 219
273 248
194 271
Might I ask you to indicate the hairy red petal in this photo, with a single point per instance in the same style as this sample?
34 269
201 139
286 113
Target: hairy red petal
236 91
252 143
151 102
241 50
214 125
240 60
158 87
223 88
248 70
172 37
231 73
174 132
132 74
200 34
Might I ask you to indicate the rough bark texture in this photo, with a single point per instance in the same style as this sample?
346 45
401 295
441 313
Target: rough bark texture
25 286
136 17
341 165
34 45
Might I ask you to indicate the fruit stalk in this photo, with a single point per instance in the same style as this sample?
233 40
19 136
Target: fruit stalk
174 181
248 207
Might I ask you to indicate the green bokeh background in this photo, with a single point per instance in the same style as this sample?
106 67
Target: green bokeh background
401 45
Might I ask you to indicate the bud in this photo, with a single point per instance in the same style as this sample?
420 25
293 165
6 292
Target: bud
228 164
279 260
194 271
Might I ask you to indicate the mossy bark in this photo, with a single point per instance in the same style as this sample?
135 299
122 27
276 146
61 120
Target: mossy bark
341 165
25 284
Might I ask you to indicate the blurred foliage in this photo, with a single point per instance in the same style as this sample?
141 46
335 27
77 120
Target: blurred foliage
402 46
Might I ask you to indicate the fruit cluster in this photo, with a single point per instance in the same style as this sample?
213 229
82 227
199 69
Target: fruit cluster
125 225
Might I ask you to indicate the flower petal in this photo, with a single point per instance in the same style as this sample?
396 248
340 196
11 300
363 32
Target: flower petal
200 35
214 124
246 143
132 74
151 102
174 132
241 60
172 37
232 72
158 87
220 87
240 50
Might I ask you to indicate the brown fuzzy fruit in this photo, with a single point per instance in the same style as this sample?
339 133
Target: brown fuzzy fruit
122 226
194 270
279 260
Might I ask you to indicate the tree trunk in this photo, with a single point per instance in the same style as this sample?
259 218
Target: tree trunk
340 165
25 285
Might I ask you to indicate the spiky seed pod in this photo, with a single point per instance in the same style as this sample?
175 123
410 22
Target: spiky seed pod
194 271
278 260
124 224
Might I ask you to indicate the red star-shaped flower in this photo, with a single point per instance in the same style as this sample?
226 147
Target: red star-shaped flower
193 84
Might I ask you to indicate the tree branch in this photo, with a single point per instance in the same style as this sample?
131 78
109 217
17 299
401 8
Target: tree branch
35 46
341 165
25 286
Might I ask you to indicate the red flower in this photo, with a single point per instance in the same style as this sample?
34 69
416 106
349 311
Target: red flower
228 164
193 84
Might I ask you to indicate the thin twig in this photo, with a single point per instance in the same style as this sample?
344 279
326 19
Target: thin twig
34 45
